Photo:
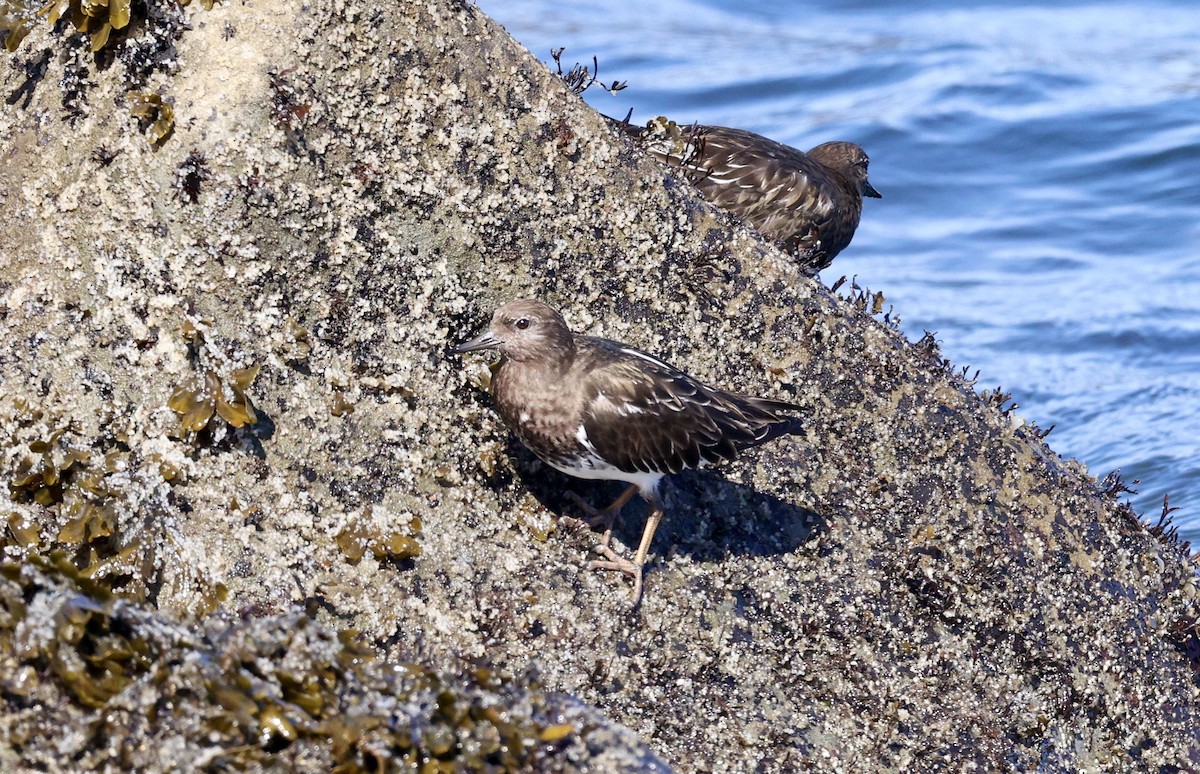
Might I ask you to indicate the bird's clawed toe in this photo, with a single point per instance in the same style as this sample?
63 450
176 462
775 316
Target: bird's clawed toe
606 518
612 561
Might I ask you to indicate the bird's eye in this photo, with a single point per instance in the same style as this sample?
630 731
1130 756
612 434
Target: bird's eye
522 324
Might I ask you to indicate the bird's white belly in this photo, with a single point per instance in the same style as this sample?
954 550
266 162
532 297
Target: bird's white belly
601 470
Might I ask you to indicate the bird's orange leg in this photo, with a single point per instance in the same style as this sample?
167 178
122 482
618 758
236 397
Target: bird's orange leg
606 518
633 568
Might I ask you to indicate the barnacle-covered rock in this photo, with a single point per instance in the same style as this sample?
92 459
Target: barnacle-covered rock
917 581
276 693
104 506
98 19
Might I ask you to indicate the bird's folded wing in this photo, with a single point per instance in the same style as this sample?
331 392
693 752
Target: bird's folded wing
644 415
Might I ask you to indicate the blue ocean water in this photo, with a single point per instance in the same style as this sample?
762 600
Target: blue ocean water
1040 166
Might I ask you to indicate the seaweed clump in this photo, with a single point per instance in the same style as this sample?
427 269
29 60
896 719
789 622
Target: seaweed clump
197 402
85 645
579 78
155 114
363 534
96 18
109 26
63 474
102 506
100 20
209 394
42 476
273 692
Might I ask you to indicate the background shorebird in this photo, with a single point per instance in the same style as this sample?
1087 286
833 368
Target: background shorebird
594 408
808 202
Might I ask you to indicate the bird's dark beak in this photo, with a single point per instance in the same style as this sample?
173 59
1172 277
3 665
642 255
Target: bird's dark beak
869 190
485 340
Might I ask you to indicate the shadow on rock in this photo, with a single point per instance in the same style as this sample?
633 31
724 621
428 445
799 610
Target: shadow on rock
707 515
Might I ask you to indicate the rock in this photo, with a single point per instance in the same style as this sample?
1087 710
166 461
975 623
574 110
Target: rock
349 190
118 687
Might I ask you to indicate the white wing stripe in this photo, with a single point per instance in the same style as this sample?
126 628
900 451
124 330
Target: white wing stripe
644 356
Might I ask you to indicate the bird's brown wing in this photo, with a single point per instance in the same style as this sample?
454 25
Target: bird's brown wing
778 189
645 415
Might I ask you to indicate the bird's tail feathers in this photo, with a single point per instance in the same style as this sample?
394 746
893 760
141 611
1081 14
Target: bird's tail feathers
774 417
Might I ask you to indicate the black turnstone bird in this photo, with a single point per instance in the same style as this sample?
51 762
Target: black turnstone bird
808 202
598 409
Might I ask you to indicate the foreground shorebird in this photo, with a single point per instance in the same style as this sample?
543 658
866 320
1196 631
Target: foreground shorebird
595 408
808 202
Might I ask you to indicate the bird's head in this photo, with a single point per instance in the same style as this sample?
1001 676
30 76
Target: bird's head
850 160
525 330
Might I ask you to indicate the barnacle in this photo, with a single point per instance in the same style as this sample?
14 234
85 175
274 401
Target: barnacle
156 115
196 403
96 17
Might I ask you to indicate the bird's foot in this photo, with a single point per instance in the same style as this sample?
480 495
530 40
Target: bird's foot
596 517
612 561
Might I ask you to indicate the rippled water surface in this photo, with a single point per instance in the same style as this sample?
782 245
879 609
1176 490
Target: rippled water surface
1041 172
